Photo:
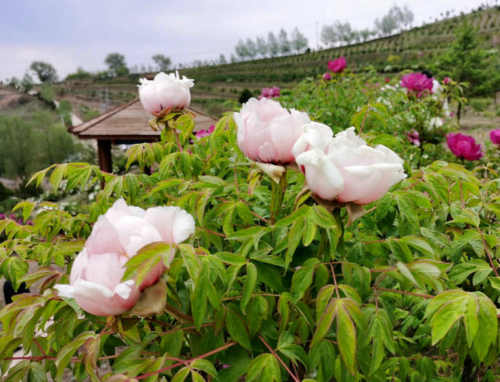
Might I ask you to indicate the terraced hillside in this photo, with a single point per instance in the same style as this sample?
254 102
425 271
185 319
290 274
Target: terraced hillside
412 49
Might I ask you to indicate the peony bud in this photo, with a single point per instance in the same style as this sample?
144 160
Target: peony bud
165 93
117 236
327 76
267 131
414 137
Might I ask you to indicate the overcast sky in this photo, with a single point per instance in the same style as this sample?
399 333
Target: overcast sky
73 33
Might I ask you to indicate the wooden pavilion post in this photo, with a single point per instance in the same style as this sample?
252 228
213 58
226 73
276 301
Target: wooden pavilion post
104 155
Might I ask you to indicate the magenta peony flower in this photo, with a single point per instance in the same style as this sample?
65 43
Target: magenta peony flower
417 83
446 80
337 65
205 133
413 137
117 236
267 131
464 146
270 92
327 76
495 136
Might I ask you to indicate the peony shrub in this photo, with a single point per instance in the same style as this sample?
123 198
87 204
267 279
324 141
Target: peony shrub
270 283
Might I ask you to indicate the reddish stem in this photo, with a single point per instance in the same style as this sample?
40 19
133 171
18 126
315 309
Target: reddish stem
215 351
279 359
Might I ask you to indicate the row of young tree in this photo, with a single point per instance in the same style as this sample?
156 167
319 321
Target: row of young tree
271 46
342 33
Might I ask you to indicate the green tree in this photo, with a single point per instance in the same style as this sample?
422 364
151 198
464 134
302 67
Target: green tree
44 71
284 43
299 41
116 64
467 61
163 62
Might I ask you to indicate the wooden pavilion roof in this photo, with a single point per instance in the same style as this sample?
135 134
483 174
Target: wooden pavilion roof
129 122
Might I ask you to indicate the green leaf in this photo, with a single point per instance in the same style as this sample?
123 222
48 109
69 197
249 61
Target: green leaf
264 368
346 337
462 215
446 316
204 365
294 237
199 298
66 353
181 375
419 244
295 215
249 286
325 321
471 320
236 327
488 326
302 279
146 259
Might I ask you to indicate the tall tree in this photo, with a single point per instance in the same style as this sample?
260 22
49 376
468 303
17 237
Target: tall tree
241 50
44 71
116 64
467 61
272 43
251 48
162 62
262 47
329 35
284 43
299 41
222 60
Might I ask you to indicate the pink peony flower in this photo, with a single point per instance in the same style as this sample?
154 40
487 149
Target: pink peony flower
205 133
464 146
345 168
495 136
417 83
337 65
164 93
327 76
387 80
267 131
413 137
117 236
446 80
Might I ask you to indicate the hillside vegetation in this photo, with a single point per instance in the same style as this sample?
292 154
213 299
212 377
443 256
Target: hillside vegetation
414 49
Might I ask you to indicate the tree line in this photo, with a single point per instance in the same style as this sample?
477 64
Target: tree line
272 46
342 33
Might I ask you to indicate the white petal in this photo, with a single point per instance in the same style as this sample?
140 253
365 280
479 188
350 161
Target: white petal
124 289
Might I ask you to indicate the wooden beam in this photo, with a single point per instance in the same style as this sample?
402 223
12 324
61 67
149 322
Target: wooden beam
104 155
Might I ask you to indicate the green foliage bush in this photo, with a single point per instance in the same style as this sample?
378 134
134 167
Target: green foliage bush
272 286
28 145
